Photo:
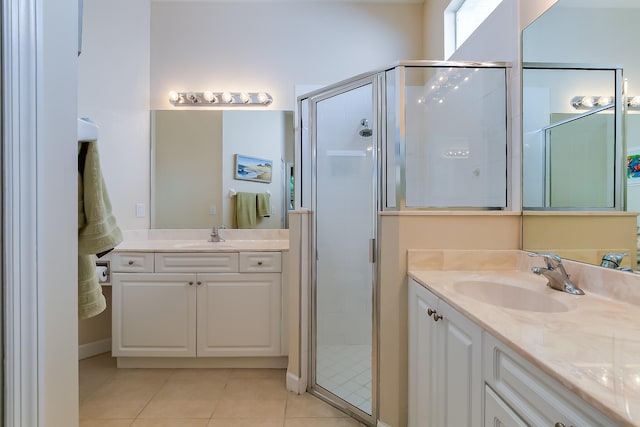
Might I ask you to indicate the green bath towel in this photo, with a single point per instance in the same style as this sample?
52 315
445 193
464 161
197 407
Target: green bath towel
264 204
97 229
246 210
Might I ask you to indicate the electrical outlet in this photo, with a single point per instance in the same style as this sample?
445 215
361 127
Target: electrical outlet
141 210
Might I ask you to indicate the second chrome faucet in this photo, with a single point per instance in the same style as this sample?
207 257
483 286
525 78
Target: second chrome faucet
556 274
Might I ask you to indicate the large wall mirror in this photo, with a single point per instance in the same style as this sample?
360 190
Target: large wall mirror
578 58
193 165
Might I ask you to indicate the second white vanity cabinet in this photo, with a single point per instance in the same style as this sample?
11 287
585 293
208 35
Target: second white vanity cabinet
461 375
445 369
197 305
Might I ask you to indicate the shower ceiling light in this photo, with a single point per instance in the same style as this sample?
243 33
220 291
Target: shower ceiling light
209 98
582 102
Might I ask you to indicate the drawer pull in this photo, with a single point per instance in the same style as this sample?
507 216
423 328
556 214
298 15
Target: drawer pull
559 424
130 262
259 262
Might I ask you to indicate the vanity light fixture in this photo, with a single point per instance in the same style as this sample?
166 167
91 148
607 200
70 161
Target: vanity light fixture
588 102
209 98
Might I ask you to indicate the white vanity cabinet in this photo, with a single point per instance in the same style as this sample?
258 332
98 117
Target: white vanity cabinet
197 304
461 375
445 369
536 398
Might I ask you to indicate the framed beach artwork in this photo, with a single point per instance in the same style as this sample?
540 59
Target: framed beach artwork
633 166
253 169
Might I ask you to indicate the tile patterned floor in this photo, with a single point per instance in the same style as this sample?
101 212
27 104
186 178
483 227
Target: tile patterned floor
345 370
111 397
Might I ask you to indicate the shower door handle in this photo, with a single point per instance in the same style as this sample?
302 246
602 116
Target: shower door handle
372 251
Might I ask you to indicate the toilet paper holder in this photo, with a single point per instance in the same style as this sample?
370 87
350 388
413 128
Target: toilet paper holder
103 269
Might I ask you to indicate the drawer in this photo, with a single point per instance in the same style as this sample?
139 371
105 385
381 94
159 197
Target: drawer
132 262
260 262
205 262
537 398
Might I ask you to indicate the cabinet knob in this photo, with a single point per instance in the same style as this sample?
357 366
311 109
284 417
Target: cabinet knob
259 262
130 262
558 424
199 283
433 313
190 283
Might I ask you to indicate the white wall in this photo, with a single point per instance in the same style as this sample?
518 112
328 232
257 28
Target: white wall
113 90
273 46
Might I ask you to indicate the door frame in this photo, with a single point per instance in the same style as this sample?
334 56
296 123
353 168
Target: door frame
377 84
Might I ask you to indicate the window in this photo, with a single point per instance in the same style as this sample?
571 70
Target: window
462 17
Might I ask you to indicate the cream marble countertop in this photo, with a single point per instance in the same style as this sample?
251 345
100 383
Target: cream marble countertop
197 241
592 348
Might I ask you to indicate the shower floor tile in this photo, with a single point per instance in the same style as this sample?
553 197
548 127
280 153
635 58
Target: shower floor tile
345 370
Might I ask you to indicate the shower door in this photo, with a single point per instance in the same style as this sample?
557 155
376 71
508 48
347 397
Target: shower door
344 201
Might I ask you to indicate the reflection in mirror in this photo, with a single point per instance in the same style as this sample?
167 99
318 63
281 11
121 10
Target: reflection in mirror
569 154
193 165
583 224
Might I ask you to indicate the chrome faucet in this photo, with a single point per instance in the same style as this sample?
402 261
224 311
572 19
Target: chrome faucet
556 274
215 236
613 260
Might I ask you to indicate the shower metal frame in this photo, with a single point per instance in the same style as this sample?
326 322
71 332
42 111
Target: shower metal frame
378 78
619 107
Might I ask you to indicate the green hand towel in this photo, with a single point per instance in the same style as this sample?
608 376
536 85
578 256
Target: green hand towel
91 302
97 229
264 204
246 210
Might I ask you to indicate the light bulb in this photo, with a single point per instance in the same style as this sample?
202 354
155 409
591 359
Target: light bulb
264 99
209 96
605 100
226 97
173 96
245 98
588 101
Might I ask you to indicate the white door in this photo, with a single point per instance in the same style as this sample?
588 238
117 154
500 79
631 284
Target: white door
154 314
423 335
460 367
239 314
345 208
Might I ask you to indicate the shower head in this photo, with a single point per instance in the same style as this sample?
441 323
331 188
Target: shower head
365 131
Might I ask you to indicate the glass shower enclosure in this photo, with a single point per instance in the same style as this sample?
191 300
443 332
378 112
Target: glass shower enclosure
415 135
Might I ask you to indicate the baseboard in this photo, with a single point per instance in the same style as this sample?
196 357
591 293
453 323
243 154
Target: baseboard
381 424
203 362
94 348
295 383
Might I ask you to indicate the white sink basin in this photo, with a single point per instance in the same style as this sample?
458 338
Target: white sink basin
512 297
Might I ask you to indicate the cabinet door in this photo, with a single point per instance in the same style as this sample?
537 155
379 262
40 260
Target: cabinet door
154 314
498 414
460 369
239 314
422 361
